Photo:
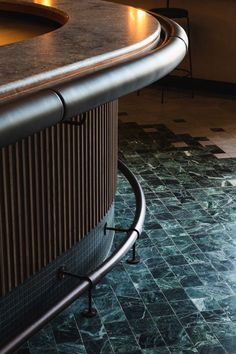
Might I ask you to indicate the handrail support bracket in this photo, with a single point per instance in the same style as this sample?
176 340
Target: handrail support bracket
89 311
134 259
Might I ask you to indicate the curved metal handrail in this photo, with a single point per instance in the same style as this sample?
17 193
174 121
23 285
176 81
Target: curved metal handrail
29 114
95 275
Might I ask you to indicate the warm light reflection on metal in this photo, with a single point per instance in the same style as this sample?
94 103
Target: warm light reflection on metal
137 22
44 2
141 14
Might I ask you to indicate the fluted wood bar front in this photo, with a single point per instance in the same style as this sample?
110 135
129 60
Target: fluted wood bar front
55 187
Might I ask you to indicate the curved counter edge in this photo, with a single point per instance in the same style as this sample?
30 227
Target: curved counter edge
115 33
27 115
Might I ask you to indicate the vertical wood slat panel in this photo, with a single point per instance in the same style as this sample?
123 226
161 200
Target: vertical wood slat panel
6 221
74 189
100 161
55 186
19 206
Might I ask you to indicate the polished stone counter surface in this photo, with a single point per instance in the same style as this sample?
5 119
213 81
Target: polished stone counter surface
97 34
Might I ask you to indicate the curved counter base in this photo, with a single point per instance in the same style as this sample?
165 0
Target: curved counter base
69 289
39 294
55 187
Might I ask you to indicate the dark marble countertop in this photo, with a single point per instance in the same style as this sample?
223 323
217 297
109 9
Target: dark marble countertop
97 34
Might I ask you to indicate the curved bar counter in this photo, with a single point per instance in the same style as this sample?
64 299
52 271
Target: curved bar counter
58 147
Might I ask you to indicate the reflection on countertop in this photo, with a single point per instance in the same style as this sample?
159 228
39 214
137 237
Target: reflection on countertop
96 35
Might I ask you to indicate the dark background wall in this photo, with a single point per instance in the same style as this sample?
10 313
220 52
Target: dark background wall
213 36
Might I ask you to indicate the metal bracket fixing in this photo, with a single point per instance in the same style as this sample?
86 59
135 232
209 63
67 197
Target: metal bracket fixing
87 312
134 259
81 120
